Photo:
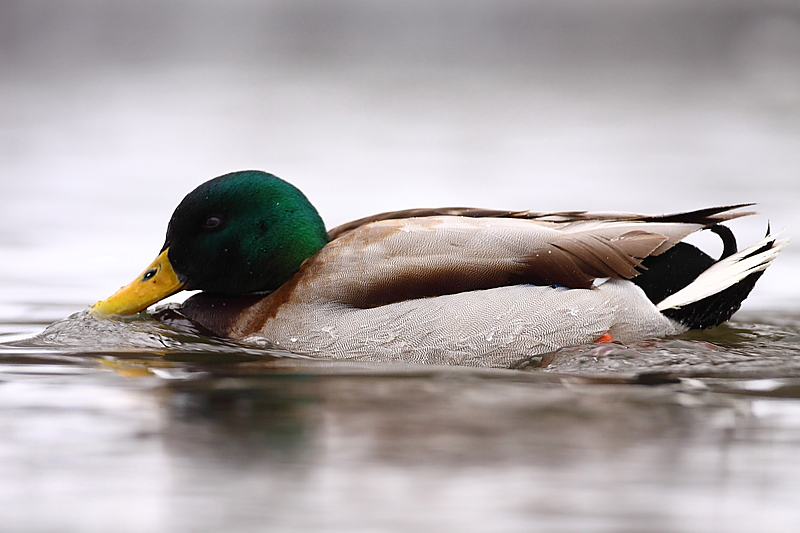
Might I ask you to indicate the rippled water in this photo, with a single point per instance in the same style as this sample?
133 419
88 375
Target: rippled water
133 425
163 429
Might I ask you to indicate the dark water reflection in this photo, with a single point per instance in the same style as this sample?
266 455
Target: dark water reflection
212 440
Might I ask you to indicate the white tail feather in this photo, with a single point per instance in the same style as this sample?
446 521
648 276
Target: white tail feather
726 273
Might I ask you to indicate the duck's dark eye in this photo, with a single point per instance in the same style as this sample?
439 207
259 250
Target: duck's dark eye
212 222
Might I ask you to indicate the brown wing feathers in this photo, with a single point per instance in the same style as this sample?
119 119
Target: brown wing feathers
575 260
706 217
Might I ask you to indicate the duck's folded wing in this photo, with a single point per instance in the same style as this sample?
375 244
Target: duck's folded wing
393 260
706 217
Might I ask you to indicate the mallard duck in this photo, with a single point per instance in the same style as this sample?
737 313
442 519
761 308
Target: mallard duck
455 285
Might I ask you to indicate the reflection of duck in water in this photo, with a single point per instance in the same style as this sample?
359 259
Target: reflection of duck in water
459 286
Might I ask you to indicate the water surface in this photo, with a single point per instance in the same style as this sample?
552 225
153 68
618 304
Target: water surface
151 428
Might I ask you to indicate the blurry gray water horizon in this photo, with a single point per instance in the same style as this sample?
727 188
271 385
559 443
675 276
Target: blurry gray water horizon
110 112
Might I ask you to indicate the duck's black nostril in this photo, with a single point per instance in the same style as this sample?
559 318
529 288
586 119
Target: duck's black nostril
149 274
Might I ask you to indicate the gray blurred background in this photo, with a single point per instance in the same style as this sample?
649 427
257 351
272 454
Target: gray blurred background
111 111
679 39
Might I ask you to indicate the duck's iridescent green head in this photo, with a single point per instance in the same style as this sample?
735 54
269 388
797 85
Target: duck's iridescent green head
239 233
242 232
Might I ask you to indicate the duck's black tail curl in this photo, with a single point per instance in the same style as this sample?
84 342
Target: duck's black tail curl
715 309
691 288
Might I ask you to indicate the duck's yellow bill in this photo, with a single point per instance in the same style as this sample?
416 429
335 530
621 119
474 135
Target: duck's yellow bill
156 283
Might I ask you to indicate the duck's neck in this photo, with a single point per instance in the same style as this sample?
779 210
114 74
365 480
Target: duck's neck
225 316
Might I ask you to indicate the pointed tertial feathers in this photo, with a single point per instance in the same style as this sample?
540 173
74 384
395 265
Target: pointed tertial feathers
576 259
